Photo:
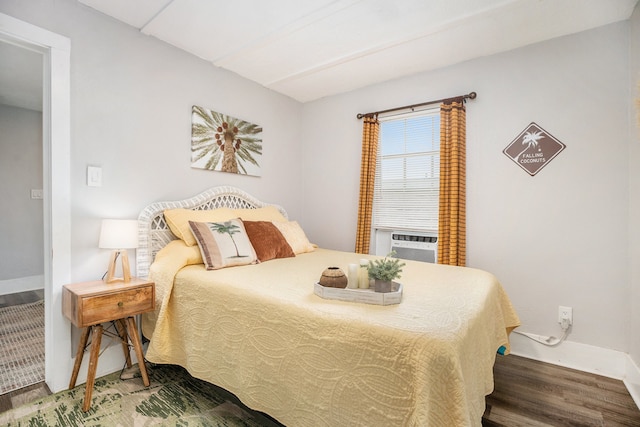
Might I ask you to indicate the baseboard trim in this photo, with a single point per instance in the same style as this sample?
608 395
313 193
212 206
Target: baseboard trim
583 357
21 284
632 380
574 355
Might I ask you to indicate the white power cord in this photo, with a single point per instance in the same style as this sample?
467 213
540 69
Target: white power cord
551 341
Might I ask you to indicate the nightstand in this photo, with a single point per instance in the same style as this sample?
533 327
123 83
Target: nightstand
89 304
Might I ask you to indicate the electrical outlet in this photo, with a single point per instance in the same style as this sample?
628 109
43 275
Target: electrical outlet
36 194
565 314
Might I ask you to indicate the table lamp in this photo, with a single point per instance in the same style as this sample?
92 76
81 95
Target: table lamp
119 235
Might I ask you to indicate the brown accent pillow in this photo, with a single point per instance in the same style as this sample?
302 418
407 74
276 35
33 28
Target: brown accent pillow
267 240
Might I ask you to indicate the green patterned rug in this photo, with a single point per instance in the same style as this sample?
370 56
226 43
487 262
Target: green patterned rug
174 398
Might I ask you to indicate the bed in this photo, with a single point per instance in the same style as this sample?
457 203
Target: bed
259 331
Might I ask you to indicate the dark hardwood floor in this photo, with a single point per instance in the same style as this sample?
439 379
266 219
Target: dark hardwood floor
532 393
21 298
25 395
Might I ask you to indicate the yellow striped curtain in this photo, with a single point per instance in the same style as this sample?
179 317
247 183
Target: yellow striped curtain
452 227
370 129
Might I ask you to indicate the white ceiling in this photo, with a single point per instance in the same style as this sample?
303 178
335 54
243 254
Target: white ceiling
309 49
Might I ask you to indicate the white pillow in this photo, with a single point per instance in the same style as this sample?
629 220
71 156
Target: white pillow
178 220
294 235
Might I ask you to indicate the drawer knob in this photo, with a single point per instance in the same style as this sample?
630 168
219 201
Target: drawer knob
120 304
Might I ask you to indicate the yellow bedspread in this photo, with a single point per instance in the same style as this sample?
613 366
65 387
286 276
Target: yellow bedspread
260 332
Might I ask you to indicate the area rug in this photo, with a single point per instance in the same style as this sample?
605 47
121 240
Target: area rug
174 398
21 346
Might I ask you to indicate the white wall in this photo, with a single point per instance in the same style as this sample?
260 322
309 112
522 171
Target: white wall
559 238
21 229
634 194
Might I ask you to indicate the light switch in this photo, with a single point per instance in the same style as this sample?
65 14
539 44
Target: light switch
94 176
36 194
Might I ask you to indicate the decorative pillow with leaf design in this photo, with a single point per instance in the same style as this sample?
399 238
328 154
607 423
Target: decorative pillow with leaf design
223 244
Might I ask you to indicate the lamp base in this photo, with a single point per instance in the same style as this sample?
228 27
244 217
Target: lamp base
126 271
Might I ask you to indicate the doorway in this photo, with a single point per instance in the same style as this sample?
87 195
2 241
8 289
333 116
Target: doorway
22 231
21 169
55 51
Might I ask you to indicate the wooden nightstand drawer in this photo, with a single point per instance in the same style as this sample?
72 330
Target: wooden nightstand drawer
90 303
102 308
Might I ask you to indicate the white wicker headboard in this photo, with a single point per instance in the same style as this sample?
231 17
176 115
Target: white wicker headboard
154 233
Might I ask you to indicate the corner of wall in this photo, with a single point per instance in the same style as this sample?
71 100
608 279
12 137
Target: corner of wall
634 198
632 380
587 358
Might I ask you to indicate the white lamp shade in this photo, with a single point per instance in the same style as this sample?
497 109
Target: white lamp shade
119 234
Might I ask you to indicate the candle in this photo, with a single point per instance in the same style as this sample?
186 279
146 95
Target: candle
352 276
363 274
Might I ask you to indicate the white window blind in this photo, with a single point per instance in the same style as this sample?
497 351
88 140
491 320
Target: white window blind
407 172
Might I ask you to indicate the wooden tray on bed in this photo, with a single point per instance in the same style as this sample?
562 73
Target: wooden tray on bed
367 296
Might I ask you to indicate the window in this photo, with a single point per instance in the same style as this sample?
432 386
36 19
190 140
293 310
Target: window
407 172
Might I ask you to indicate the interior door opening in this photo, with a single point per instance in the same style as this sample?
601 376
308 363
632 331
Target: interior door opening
21 188
56 126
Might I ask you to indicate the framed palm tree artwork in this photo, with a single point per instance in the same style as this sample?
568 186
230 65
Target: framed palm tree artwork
224 143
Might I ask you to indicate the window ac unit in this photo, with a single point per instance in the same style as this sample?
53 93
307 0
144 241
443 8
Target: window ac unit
415 245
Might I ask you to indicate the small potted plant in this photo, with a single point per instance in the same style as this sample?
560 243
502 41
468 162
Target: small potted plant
384 271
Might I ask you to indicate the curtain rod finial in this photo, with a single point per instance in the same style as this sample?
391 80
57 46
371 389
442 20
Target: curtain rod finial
472 95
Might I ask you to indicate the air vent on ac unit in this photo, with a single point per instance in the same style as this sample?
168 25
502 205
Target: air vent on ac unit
415 245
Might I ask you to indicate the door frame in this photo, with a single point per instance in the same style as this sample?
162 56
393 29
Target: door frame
56 143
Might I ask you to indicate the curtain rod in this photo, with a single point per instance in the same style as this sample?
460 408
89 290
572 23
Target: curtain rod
471 95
